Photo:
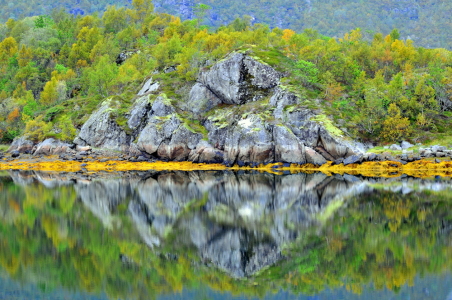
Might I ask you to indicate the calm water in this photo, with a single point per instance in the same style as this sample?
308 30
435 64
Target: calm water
224 235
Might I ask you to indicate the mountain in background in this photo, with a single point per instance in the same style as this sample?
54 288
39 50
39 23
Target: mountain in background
426 22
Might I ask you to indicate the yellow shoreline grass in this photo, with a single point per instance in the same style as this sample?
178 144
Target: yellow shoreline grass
422 168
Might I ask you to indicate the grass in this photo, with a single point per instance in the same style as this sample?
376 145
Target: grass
272 57
3 148
442 139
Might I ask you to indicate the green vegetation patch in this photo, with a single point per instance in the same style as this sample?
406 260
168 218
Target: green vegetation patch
328 125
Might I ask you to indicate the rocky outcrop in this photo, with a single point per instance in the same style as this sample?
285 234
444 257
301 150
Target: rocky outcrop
236 113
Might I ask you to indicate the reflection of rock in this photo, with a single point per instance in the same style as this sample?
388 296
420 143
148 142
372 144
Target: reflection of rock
236 252
143 224
238 222
101 197
243 220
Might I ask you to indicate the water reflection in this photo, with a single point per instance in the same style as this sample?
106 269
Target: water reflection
128 234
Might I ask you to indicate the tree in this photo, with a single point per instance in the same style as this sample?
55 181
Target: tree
307 72
143 10
200 11
50 93
36 129
43 21
114 19
13 116
395 127
395 35
99 78
8 47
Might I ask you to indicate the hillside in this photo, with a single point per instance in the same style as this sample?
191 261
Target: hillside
58 70
425 22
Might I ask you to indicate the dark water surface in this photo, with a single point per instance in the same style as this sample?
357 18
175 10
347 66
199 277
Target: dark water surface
224 235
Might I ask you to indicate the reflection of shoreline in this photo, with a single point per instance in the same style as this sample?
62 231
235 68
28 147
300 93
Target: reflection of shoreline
238 221
421 168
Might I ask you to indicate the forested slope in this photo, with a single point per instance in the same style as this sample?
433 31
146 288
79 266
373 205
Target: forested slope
426 22
55 70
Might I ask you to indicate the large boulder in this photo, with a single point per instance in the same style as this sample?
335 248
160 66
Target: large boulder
206 153
239 79
139 114
52 147
248 142
288 148
102 131
201 99
313 157
166 135
148 87
21 145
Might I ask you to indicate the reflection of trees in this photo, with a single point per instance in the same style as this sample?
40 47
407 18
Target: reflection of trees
48 236
384 239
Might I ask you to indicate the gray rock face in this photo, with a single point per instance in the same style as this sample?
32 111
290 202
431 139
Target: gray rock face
201 99
352 160
288 147
165 134
239 79
282 100
249 142
138 113
52 147
21 145
102 131
314 158
438 148
205 152
149 87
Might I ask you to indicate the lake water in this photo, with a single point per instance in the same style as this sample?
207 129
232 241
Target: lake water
224 235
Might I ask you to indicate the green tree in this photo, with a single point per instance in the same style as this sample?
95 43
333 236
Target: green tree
43 21
99 78
143 10
114 19
200 11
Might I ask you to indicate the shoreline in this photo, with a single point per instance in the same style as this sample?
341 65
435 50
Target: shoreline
421 168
